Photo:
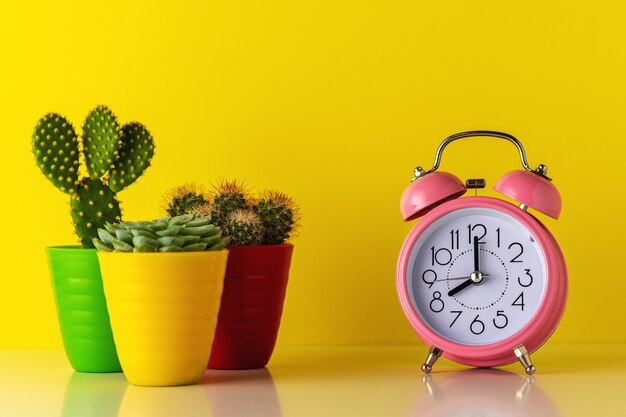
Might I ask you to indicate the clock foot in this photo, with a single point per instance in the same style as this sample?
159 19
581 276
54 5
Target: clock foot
433 354
522 355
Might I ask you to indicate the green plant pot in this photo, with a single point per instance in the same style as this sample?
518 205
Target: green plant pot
81 309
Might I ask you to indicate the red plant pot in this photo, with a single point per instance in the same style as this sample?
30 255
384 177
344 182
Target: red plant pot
251 307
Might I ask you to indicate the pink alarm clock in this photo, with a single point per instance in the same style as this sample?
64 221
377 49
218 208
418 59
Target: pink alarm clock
481 280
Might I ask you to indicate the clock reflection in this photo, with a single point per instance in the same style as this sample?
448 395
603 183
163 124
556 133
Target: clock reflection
483 393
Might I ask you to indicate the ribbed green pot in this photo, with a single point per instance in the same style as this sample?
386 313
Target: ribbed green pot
81 309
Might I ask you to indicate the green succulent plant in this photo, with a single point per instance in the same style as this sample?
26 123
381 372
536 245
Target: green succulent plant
114 158
185 233
279 215
244 228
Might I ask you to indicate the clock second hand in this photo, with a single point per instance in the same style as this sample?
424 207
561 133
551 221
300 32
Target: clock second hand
458 278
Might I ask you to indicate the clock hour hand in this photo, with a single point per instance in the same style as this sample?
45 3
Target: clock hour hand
460 287
475 278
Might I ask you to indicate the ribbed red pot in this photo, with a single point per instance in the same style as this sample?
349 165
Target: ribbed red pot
251 307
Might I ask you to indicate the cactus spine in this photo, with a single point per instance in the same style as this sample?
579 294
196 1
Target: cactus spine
244 228
279 215
228 196
185 199
269 219
115 157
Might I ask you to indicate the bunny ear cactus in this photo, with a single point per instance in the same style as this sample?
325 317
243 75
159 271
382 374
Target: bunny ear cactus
134 156
186 233
279 215
115 157
101 140
93 204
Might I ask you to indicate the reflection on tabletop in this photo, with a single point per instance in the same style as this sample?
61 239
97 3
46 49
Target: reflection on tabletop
93 394
220 394
241 393
483 392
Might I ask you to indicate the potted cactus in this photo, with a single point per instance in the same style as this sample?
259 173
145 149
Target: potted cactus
114 157
163 282
257 271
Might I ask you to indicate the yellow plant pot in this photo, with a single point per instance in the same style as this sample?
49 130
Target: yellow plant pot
163 309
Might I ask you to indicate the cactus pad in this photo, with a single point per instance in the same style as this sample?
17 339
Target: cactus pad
93 205
55 147
134 156
101 140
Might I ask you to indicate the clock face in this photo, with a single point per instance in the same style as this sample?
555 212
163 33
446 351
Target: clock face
476 306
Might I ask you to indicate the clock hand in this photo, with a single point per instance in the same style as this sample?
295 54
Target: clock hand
458 278
476 264
460 287
475 278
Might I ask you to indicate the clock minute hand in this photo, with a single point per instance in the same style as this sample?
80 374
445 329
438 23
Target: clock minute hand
476 260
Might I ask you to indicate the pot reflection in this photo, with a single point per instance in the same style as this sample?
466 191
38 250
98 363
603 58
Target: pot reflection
241 393
93 394
483 393
188 401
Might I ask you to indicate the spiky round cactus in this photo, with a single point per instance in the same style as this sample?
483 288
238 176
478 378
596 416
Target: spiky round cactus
244 228
114 159
185 233
185 199
279 215
228 196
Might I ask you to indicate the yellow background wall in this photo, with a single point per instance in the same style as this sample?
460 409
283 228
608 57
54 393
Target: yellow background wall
335 103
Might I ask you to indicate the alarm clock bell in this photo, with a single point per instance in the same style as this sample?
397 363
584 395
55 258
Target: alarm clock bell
531 188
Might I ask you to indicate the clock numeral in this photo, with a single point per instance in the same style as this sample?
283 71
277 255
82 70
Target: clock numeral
530 279
498 236
454 238
477 327
429 272
436 304
458 314
471 228
442 256
500 313
519 301
521 250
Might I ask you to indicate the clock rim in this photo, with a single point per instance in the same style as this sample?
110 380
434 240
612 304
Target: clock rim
538 328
